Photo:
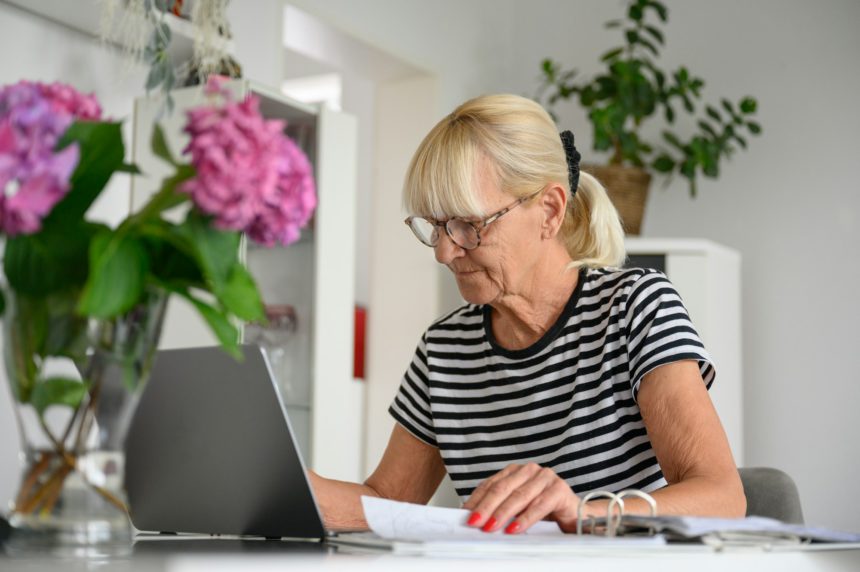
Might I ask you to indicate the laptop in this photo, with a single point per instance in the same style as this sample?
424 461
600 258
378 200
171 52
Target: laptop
210 450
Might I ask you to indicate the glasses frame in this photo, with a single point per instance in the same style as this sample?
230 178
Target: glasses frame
477 225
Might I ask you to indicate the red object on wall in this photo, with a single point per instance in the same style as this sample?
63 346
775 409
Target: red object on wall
358 350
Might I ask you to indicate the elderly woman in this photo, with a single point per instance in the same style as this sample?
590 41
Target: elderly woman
563 373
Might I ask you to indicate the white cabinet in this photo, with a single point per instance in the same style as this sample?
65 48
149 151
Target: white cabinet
708 278
315 276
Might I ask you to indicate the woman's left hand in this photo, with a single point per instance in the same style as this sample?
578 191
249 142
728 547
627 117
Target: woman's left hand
520 495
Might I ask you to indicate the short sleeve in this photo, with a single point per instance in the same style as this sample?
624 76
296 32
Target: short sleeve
659 330
411 405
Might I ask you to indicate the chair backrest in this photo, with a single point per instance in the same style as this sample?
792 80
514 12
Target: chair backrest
772 493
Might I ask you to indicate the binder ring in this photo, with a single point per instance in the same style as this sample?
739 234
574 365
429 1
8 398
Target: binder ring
615 500
652 504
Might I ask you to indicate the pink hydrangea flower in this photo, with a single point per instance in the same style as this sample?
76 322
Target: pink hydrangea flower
33 177
250 176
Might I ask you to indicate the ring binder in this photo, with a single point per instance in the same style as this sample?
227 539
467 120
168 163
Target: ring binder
714 532
613 523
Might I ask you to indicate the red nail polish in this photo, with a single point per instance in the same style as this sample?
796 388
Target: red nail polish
473 520
489 525
513 528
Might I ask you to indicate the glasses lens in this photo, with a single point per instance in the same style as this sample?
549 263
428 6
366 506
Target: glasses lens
424 230
463 233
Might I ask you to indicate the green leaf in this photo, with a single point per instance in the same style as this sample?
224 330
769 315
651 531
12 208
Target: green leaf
612 24
656 34
663 164
101 151
240 295
711 169
57 391
741 141
130 168
65 331
649 45
714 114
662 12
54 259
706 127
25 330
549 69
635 12
748 105
632 36
119 266
226 333
754 127
611 54
2 302
171 254
216 250
688 104
673 140
727 105
160 147
670 114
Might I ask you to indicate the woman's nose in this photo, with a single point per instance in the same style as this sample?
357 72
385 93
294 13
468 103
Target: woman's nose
446 250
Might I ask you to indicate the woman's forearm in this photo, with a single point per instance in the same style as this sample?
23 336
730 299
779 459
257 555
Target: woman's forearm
340 502
695 496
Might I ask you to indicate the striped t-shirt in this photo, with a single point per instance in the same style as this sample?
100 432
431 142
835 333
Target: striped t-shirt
568 401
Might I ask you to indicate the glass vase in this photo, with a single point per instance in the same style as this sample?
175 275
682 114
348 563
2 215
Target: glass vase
75 384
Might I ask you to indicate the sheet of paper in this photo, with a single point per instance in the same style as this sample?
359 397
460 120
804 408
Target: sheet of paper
405 521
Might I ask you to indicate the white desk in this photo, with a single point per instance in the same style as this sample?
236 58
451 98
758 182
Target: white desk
217 555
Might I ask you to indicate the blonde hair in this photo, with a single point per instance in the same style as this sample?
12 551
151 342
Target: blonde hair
525 154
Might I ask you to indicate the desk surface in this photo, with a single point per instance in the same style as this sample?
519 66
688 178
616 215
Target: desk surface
216 555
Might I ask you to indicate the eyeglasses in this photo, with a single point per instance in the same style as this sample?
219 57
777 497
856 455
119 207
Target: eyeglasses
465 234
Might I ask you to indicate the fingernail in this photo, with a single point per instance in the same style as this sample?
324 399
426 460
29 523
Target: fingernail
473 520
513 528
489 525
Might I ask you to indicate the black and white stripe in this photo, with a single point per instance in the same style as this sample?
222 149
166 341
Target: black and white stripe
567 402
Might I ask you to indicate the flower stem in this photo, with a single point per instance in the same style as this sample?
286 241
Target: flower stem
54 490
55 480
32 477
109 496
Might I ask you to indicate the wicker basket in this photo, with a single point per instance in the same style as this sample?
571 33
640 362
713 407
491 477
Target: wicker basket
628 191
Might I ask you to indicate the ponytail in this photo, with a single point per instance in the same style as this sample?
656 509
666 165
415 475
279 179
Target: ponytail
591 230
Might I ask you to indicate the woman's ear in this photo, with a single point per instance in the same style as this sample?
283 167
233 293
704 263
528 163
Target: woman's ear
553 203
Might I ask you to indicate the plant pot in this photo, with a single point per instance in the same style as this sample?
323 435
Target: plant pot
628 190
71 499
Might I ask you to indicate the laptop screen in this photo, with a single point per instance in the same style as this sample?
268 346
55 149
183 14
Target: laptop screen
210 450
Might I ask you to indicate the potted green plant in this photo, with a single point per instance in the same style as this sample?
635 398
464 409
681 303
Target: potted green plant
632 89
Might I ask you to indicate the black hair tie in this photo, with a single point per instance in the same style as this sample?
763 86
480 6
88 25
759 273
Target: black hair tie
573 157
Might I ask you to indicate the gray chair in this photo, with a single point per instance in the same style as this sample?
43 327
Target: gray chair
772 493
